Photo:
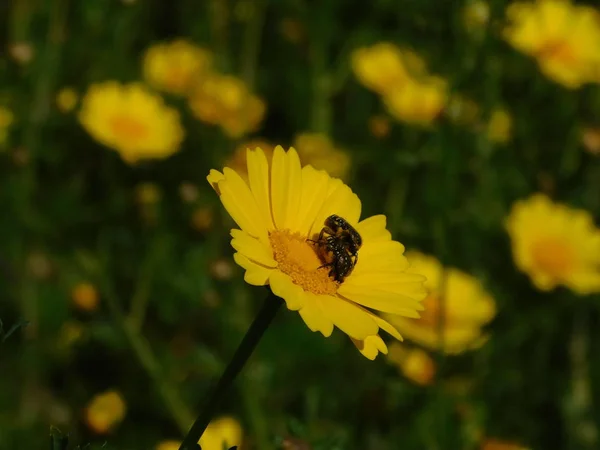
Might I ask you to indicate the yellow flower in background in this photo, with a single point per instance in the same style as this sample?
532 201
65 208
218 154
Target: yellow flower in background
131 120
476 15
499 128
319 151
148 193
467 308
494 444
414 363
225 100
168 445
564 39
202 219
555 245
85 297
379 126
223 432
282 206
418 101
384 66
105 411
590 139
66 100
175 67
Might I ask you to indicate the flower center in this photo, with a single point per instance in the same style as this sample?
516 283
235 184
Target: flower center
553 256
560 51
297 258
128 128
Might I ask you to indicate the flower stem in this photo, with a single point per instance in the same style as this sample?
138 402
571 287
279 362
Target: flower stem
260 324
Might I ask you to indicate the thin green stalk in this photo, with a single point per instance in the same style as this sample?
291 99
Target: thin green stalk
251 44
254 414
258 327
140 346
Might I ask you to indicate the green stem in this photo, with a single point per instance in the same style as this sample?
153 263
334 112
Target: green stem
251 45
254 415
258 327
177 408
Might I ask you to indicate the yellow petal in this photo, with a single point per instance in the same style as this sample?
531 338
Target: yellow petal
252 248
373 229
314 183
283 287
371 346
343 202
213 178
256 275
285 187
239 203
385 301
313 316
258 176
347 317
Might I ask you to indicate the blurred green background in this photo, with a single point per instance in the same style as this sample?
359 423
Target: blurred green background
121 264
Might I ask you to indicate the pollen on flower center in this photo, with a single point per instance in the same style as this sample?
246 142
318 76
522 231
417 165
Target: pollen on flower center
298 259
128 127
553 256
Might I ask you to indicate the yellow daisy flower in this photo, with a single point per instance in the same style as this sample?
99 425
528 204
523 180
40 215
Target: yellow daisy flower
225 100
282 207
418 101
176 66
131 120
563 37
467 308
105 411
384 66
223 432
414 363
555 245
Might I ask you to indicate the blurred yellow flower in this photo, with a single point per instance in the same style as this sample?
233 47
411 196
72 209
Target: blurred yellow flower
476 15
105 411
563 37
202 219
467 307
379 126
66 99
318 150
494 444
384 66
555 245
175 67
590 138
85 296
221 433
282 207
499 127
418 101
414 363
148 193
188 192
168 445
131 120
225 100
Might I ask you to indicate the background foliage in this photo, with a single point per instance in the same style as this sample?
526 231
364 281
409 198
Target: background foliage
173 307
